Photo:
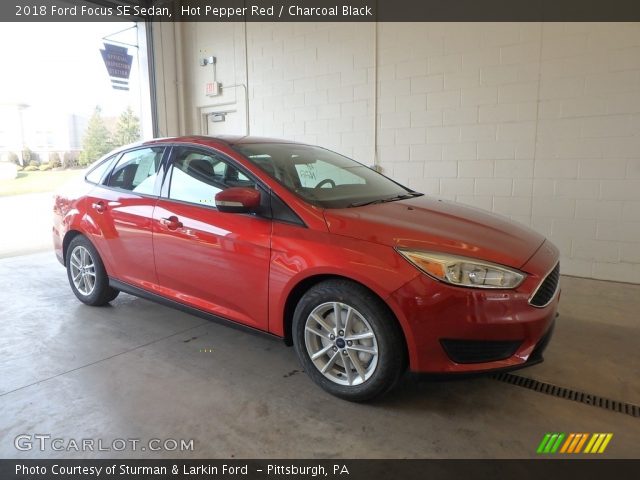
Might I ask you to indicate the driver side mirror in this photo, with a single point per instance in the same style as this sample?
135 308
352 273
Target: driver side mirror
238 200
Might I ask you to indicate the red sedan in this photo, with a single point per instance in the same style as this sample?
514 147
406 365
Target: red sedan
365 277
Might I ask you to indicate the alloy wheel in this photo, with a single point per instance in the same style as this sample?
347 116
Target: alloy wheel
341 343
83 270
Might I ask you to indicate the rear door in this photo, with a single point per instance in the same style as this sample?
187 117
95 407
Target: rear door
214 261
121 209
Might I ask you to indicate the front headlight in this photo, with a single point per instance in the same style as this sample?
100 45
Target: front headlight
463 271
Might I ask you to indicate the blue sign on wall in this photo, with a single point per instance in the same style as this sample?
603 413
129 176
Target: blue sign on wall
118 63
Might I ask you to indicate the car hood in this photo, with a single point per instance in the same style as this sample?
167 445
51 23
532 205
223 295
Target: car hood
428 223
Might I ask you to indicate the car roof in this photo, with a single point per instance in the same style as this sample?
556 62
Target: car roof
228 140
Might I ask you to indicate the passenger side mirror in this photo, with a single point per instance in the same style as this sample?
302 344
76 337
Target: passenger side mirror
238 200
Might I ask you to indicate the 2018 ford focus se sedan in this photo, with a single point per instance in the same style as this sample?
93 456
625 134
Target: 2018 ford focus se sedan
365 277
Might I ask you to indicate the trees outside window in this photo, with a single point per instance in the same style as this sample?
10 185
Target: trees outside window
97 140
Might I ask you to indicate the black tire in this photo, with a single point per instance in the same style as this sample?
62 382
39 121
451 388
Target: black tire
101 293
391 352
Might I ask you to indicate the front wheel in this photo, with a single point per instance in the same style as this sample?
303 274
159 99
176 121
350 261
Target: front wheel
348 341
87 275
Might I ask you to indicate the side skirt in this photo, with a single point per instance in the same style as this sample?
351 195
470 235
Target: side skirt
154 297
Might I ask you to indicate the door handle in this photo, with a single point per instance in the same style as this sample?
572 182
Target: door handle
99 206
172 222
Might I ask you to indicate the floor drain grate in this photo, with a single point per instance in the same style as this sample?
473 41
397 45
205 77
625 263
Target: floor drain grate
569 394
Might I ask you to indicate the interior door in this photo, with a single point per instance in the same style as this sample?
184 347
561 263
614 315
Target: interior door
218 262
121 208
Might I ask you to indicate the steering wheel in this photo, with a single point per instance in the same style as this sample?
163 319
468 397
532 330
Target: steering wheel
326 180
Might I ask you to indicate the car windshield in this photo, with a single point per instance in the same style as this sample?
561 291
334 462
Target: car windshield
322 177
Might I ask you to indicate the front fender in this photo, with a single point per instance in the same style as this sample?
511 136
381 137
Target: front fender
300 254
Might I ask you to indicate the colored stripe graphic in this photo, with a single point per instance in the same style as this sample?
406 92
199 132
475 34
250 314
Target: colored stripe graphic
543 443
557 444
567 443
596 445
581 442
550 443
591 442
574 443
598 442
605 443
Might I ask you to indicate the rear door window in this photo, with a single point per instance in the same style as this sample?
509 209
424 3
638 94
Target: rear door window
136 170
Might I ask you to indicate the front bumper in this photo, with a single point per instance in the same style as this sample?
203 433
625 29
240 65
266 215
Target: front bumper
463 330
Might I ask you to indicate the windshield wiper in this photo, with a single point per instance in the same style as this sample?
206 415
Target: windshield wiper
402 196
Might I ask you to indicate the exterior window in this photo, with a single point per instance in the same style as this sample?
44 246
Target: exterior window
96 173
196 177
310 174
136 170
322 177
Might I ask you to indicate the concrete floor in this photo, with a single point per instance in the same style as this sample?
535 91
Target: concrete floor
137 370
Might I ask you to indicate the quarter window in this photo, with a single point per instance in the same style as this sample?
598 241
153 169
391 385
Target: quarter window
97 172
196 177
136 171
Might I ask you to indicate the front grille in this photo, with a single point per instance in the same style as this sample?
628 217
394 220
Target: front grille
547 289
479 351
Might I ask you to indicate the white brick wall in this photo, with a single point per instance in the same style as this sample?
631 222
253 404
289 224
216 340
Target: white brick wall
538 122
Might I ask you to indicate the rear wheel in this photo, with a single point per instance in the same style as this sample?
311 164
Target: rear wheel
348 341
86 273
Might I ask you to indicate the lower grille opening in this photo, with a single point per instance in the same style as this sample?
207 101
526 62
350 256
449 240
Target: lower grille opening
479 351
542 344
